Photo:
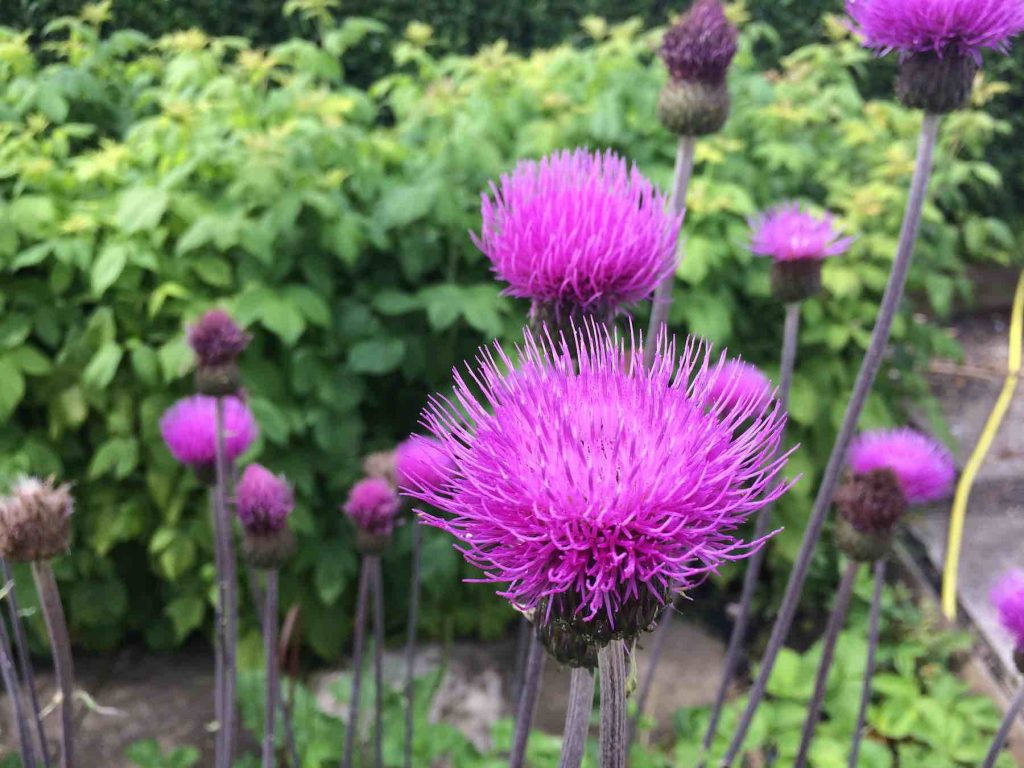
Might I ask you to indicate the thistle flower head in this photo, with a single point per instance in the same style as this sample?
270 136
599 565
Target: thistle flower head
1008 598
701 45
591 486
965 27
35 520
740 385
578 229
264 500
421 462
372 504
923 467
216 339
791 233
189 427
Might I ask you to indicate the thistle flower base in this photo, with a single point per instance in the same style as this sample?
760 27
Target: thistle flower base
268 550
873 501
796 280
936 83
575 637
693 108
369 543
861 546
566 646
218 380
561 318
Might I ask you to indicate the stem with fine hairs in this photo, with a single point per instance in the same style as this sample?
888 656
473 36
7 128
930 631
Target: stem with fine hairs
228 588
828 650
10 681
611 661
662 302
1004 730
577 717
869 669
270 651
378 664
790 342
410 641
865 379
527 702
365 579
60 643
28 678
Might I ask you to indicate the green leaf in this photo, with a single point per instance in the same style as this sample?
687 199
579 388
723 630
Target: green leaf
108 267
12 388
31 361
14 329
213 270
376 356
331 577
403 205
141 208
118 456
101 369
32 215
186 613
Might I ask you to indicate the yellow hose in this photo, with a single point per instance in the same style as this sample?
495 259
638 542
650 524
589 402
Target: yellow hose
988 434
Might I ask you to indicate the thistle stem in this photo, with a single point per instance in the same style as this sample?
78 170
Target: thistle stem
378 664
28 678
662 301
658 640
577 718
365 579
229 590
270 653
828 652
1004 730
410 642
611 660
865 379
218 630
524 631
10 680
869 669
60 643
527 702
790 342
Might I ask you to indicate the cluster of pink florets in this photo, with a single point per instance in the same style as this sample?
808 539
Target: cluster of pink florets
373 506
740 385
189 429
924 467
791 233
264 500
1008 599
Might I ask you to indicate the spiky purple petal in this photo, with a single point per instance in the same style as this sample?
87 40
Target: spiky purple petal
741 385
790 233
1008 598
216 338
701 45
923 466
264 500
373 505
420 462
189 427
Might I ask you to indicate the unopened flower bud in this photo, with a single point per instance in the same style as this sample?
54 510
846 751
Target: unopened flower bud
373 506
693 108
936 83
217 342
35 520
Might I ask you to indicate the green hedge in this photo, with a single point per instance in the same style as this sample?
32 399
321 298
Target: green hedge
144 181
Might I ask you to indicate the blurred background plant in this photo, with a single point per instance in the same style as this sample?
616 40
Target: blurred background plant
145 179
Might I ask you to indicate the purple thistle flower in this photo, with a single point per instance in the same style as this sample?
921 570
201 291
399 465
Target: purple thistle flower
420 462
189 427
741 385
216 338
1008 598
264 500
790 233
924 468
601 484
936 26
701 45
578 228
373 505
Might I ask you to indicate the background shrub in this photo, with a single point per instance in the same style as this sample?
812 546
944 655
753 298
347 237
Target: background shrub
144 180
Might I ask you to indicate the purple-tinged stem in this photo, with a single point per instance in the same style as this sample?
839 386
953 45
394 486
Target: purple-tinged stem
524 632
577 718
378 664
60 643
869 669
828 652
1004 730
273 693
410 642
658 640
865 379
790 342
218 631
28 678
611 661
359 638
229 704
662 302
10 680
527 702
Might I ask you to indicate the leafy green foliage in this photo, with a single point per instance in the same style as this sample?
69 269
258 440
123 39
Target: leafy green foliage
143 181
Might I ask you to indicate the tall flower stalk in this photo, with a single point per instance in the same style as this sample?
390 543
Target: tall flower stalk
373 506
612 663
874 627
1008 599
798 242
10 681
35 527
577 718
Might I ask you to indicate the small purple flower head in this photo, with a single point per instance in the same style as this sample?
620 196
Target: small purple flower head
790 233
701 45
216 338
740 385
373 505
591 486
421 462
1008 598
189 427
937 26
924 468
264 500
578 229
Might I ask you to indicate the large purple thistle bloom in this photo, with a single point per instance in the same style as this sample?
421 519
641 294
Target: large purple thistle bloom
603 484
924 468
578 228
189 428
790 233
935 26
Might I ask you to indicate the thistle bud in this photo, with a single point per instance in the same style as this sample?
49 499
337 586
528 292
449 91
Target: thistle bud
35 520
373 507
264 501
217 342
